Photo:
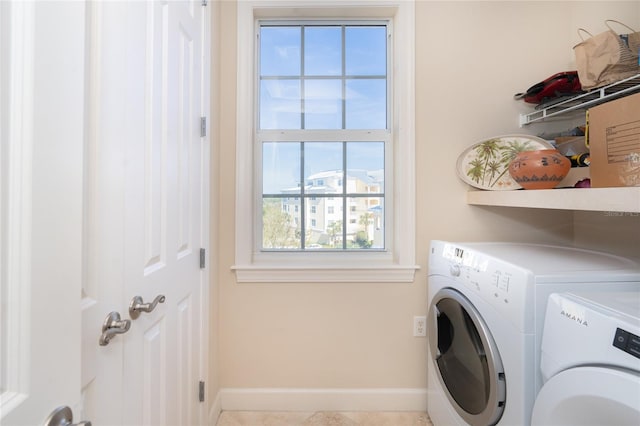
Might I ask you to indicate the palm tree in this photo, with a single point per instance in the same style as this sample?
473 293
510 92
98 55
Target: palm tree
508 153
487 151
365 219
334 229
475 172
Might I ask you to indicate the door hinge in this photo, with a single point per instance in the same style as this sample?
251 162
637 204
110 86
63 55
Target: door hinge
201 391
203 127
203 253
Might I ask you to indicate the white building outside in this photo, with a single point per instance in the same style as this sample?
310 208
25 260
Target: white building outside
324 212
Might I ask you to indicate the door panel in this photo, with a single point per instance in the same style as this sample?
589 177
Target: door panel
155 140
41 216
154 375
187 365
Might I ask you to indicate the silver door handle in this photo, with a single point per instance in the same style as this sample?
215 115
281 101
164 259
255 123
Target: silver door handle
113 325
63 416
136 306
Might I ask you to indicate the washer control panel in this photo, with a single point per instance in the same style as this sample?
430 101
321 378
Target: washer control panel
502 284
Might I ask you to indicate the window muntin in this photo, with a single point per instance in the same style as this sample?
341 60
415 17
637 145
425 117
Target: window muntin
320 86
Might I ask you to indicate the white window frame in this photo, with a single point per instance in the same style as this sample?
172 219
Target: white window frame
397 262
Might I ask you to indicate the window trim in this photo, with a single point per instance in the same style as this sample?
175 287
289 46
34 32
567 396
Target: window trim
394 265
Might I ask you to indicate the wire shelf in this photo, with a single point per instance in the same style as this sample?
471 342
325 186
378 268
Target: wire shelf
583 101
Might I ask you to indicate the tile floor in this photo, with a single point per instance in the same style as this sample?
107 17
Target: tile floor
322 418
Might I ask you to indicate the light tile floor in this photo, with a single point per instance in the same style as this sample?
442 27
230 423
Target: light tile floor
322 418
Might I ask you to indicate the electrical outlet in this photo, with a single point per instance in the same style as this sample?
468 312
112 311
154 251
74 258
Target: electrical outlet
419 326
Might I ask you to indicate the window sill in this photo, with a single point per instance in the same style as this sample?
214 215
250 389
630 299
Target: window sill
324 274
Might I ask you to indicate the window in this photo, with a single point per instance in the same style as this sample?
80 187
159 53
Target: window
320 85
332 127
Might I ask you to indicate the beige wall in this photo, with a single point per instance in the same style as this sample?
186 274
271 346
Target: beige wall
471 58
617 233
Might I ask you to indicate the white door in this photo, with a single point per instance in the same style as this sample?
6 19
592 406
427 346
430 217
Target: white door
98 96
147 211
41 186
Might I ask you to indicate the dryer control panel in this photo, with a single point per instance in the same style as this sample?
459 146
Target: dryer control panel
591 328
628 342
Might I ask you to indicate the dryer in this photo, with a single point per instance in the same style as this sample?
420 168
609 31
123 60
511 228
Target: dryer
486 306
590 360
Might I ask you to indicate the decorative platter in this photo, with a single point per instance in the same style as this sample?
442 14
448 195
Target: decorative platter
485 165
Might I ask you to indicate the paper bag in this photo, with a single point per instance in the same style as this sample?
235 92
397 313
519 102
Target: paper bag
607 57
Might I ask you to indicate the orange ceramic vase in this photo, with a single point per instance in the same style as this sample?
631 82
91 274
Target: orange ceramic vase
542 169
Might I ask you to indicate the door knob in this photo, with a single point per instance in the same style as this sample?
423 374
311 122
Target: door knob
136 306
113 325
63 416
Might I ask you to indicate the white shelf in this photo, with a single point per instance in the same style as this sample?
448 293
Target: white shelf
620 200
584 101
625 200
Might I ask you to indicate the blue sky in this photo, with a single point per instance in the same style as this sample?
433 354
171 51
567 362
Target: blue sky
287 70
365 51
315 71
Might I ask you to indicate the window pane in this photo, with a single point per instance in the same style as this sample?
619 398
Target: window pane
280 104
365 165
323 104
281 168
365 217
323 167
323 51
366 104
280 51
366 50
280 220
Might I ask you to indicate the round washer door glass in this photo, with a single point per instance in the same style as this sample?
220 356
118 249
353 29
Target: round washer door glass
467 361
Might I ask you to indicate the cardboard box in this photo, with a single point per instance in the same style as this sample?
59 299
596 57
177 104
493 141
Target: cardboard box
614 142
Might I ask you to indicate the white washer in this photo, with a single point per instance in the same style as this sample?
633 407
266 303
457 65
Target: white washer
590 360
486 312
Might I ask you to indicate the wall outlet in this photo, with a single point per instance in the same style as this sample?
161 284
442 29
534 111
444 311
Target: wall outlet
419 326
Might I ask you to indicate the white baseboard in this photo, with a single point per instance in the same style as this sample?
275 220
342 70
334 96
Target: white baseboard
288 399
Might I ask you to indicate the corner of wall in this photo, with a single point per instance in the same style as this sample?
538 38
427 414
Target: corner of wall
215 410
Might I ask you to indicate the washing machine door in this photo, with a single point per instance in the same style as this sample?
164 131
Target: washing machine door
585 396
466 358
